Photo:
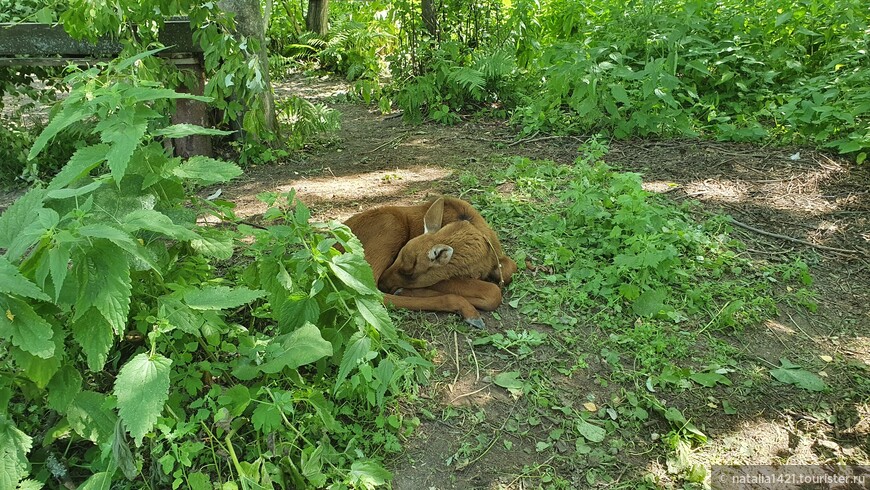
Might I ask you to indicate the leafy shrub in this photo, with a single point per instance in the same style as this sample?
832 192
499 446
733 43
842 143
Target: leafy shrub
459 81
597 240
29 11
791 72
732 70
134 346
353 50
16 140
300 119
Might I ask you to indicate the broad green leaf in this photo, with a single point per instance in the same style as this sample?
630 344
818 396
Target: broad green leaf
123 131
122 454
302 346
509 380
698 66
374 312
359 348
58 264
68 115
590 432
30 484
151 220
619 94
98 481
235 399
147 94
220 297
677 419
369 473
185 129
63 388
14 446
19 224
199 481
103 277
100 230
296 310
324 409
213 243
89 418
96 337
68 192
80 164
24 328
710 379
207 170
130 61
37 369
266 418
284 278
179 315
355 272
12 282
142 388
649 302
312 466
799 377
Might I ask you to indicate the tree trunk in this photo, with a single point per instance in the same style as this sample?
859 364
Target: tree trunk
430 17
250 24
317 18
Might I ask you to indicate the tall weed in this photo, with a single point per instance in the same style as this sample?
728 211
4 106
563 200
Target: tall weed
140 344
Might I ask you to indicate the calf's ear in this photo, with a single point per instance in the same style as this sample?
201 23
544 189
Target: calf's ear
440 254
434 216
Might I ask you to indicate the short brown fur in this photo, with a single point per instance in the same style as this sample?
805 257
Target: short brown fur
393 235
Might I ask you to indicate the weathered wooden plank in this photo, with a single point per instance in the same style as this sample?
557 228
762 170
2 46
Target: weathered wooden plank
46 40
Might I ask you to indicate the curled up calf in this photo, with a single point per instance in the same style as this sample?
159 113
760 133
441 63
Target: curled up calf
438 256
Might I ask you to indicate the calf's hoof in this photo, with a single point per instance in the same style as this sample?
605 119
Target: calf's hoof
476 323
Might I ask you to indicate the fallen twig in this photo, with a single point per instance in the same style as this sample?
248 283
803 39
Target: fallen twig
397 138
468 394
795 240
456 357
532 139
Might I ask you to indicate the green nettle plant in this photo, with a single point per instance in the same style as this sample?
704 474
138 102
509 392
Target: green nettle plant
621 249
141 348
769 70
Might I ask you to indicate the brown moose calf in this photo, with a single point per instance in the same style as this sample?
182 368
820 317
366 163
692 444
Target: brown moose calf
438 256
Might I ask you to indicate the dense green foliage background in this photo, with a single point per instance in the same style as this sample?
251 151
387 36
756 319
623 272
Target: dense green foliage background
782 70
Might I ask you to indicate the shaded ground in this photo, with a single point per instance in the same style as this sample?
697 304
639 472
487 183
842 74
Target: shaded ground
463 440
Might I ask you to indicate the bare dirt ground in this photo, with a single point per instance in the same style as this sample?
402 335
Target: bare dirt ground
808 196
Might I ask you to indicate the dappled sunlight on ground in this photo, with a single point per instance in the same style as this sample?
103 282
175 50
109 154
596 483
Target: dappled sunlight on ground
717 190
381 183
339 196
659 186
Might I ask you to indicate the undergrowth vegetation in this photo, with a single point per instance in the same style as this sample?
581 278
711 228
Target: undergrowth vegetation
598 246
652 290
731 70
773 70
623 250
143 348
